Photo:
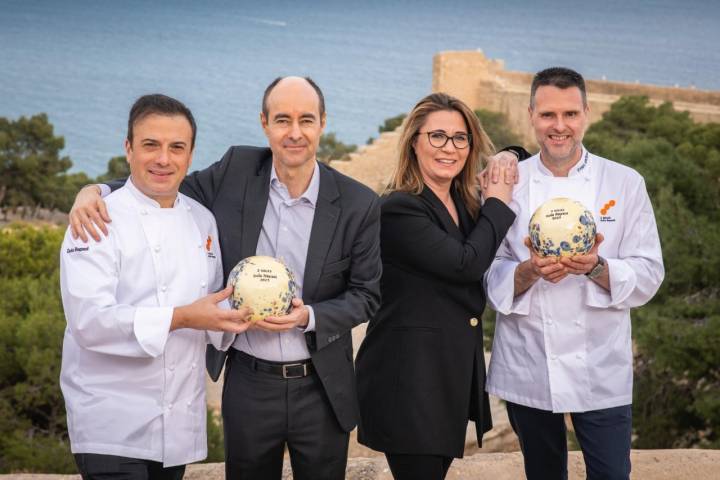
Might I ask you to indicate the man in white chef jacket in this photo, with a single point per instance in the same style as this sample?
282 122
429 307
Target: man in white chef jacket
140 308
562 339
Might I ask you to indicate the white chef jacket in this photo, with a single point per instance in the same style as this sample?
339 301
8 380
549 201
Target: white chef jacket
131 387
566 347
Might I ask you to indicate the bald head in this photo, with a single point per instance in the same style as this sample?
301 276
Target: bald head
291 85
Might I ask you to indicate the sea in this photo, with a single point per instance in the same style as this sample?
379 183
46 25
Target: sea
84 62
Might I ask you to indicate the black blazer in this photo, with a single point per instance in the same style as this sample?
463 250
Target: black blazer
420 369
343 266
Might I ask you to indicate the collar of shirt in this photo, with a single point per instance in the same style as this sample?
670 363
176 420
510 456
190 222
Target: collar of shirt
310 195
144 199
580 168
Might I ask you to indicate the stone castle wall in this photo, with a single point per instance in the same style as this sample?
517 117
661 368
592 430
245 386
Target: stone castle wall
484 83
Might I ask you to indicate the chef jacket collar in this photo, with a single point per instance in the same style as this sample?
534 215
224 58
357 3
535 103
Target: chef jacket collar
581 168
144 199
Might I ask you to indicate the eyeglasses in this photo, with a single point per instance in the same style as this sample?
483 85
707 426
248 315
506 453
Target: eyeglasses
439 139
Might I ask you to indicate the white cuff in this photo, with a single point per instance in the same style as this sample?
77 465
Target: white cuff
104 190
622 284
151 326
311 321
501 290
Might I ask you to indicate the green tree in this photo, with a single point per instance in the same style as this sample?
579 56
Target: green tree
333 149
498 128
32 172
33 432
677 373
117 168
391 124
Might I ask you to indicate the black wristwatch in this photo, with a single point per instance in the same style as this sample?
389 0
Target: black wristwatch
597 269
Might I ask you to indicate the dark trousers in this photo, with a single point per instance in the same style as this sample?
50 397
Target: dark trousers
418 467
603 435
95 466
263 412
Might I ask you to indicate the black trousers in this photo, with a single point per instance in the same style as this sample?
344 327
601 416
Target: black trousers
418 467
603 435
95 466
263 412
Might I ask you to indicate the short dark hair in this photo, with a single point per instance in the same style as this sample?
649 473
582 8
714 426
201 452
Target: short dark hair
559 77
159 104
273 84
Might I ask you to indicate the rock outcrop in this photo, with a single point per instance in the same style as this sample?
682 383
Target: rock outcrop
646 465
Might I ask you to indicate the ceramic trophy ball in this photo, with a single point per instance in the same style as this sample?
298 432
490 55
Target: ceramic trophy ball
562 227
265 284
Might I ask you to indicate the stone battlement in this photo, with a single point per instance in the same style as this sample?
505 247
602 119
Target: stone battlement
484 83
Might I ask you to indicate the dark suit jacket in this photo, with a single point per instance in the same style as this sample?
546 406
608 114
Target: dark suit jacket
421 370
342 270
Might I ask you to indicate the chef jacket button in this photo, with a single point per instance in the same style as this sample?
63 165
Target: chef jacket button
143 212
578 323
194 365
189 404
554 357
156 248
199 245
170 406
578 356
203 284
171 367
474 322
187 208
549 322
163 288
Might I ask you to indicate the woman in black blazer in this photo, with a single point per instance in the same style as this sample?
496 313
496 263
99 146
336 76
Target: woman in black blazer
421 369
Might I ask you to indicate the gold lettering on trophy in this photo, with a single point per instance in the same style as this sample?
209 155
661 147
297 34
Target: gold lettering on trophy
264 275
556 214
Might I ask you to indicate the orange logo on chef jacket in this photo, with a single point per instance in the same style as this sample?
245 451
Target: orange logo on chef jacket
208 243
607 207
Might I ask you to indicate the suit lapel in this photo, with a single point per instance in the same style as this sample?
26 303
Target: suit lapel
441 213
253 209
466 221
326 217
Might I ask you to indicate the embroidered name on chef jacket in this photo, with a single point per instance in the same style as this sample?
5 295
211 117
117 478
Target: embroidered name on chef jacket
77 249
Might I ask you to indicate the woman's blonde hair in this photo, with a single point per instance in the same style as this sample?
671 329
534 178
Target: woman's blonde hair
407 176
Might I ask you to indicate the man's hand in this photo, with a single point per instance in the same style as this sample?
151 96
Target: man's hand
299 316
204 314
494 173
88 211
582 264
550 269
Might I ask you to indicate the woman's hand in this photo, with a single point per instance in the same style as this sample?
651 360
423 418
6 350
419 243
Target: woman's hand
499 177
491 172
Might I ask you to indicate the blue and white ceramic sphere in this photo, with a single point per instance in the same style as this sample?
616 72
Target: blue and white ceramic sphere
265 284
562 227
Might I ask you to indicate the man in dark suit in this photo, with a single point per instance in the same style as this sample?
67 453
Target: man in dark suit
291 381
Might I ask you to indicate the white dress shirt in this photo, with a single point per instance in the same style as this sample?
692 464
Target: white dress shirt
285 234
131 387
566 347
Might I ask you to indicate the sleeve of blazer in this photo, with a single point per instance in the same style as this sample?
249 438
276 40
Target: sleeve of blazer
411 237
203 185
359 302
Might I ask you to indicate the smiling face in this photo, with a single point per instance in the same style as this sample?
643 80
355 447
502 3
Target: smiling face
293 124
559 119
160 155
439 166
